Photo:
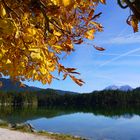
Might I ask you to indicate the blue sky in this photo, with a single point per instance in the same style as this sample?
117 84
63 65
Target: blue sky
119 64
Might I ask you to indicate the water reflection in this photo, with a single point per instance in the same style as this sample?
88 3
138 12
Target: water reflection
18 115
97 124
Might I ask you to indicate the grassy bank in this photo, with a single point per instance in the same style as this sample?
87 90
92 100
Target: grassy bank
55 136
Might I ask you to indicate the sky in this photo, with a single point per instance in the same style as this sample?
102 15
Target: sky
118 65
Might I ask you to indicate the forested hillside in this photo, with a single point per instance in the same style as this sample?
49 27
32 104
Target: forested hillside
105 98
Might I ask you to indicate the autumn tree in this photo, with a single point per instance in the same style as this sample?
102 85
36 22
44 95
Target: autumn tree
35 34
134 17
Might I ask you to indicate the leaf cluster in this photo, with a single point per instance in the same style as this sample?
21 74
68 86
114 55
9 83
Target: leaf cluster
35 34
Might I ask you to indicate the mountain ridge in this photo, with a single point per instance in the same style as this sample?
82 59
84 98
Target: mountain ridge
121 88
9 85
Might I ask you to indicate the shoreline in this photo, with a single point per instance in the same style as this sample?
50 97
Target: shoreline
27 132
8 134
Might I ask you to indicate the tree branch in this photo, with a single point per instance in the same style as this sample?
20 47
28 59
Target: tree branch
121 5
133 8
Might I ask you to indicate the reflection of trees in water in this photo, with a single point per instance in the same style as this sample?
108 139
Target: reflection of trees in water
18 115
126 116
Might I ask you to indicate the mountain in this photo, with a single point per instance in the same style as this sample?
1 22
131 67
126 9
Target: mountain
112 87
65 92
9 85
57 91
137 89
126 88
121 88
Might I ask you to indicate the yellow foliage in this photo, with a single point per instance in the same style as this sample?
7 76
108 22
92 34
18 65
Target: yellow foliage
35 35
103 1
31 31
43 70
1 41
7 26
57 33
62 2
2 10
90 34
67 2
35 56
8 62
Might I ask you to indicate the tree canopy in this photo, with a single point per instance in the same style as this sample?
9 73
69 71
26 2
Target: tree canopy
36 34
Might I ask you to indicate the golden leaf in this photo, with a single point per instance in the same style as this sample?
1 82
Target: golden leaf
2 11
103 1
99 48
90 34
7 26
67 2
8 61
80 82
35 56
134 23
57 33
31 31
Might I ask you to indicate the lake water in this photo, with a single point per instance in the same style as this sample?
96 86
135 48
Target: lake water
94 125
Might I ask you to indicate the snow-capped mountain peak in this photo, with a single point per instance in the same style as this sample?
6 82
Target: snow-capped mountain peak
121 88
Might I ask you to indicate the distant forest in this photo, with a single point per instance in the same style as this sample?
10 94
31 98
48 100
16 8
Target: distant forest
105 98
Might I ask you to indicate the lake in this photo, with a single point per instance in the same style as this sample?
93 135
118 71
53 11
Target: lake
94 124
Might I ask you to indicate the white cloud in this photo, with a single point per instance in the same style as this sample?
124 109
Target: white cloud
117 54
126 39
109 77
120 56
116 78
